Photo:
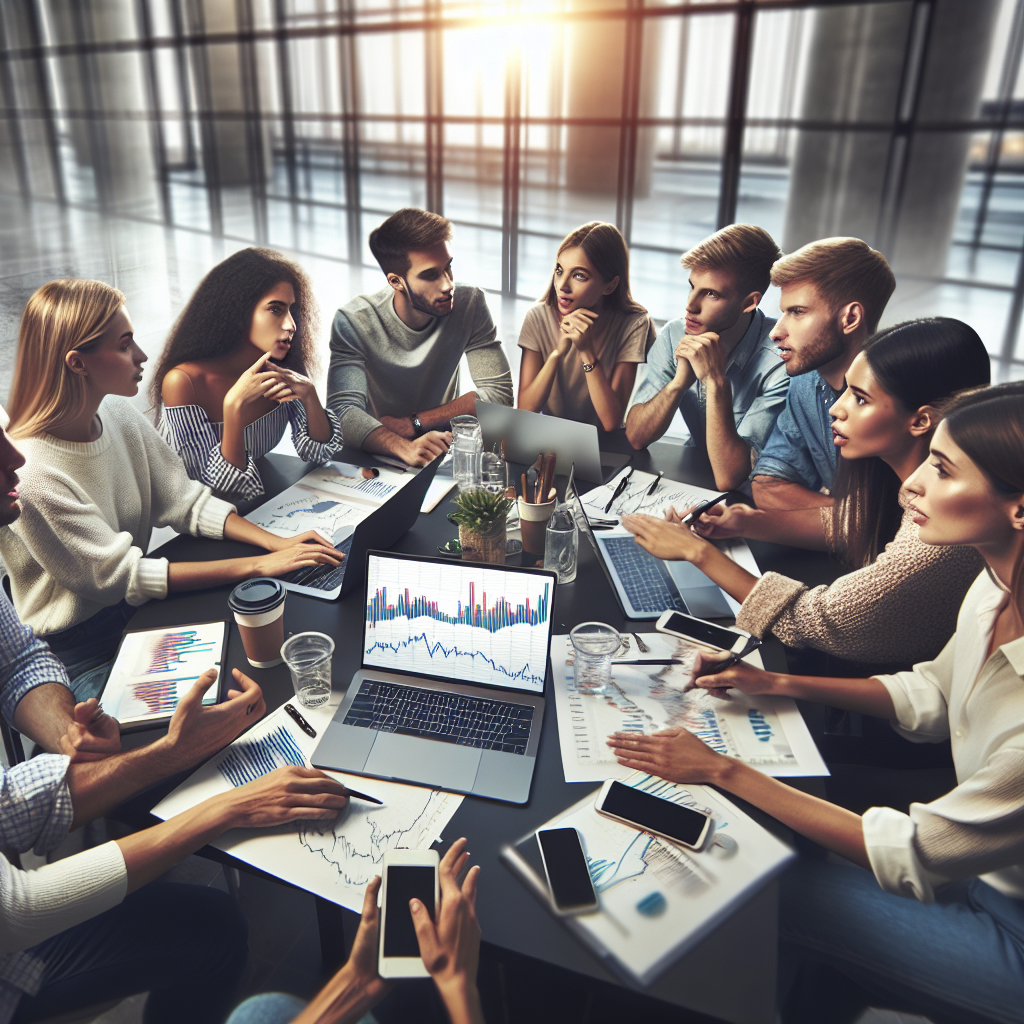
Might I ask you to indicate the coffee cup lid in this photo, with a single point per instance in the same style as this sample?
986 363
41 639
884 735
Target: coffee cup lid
253 597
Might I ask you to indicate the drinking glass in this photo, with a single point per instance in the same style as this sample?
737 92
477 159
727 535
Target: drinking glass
594 643
561 544
492 473
308 657
467 448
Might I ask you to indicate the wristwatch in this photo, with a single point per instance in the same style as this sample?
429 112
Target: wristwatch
587 367
417 425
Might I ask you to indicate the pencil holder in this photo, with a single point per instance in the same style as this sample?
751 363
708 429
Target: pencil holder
534 522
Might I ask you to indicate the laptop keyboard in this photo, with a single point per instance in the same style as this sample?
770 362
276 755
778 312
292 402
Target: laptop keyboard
449 717
647 582
322 577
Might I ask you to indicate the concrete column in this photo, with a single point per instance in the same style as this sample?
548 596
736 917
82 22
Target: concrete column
838 181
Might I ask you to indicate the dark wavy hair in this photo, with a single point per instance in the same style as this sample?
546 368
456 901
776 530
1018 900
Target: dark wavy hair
218 317
917 363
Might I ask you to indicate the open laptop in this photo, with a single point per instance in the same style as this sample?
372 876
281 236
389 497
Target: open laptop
383 527
646 586
450 688
527 433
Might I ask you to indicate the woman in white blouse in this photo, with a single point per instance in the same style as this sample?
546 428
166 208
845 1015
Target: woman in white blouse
939 928
234 373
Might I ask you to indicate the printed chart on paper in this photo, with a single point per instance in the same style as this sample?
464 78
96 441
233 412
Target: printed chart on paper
335 860
767 733
669 494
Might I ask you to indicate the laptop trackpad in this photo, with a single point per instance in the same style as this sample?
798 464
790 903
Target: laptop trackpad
702 597
430 762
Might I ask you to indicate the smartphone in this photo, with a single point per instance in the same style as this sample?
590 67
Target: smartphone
649 813
565 864
706 634
405 874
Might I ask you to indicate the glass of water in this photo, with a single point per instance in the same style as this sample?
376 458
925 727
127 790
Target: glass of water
562 543
492 473
308 657
467 448
593 645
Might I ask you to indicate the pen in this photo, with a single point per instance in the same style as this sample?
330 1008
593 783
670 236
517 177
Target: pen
361 796
652 661
655 482
619 488
701 509
399 467
300 721
751 645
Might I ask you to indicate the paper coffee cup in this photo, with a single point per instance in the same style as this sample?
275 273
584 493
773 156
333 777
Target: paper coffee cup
533 523
258 607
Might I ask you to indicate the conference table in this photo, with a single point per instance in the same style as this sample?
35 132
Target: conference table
731 973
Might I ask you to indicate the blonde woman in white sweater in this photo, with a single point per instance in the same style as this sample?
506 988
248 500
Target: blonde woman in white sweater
929 916
98 479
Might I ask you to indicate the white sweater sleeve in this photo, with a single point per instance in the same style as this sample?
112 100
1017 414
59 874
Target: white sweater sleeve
34 905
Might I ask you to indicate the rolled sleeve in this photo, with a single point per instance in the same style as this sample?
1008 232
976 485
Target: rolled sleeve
660 368
920 697
35 804
25 661
889 837
307 448
759 420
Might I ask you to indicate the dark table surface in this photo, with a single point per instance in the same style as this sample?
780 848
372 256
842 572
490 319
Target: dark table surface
509 916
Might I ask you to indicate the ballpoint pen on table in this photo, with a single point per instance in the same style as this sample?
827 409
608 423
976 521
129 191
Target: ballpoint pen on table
655 482
619 488
300 721
702 508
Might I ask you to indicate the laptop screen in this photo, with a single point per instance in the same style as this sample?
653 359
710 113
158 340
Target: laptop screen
458 621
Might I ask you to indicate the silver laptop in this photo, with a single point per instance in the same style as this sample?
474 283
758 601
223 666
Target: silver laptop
384 526
527 433
450 689
644 585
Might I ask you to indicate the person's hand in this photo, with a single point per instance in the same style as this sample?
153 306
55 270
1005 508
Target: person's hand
740 676
296 386
286 794
667 541
450 943
674 754
577 327
195 732
274 543
362 959
296 555
91 735
422 450
704 353
244 397
400 425
720 522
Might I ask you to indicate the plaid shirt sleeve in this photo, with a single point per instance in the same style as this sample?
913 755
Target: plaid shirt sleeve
25 660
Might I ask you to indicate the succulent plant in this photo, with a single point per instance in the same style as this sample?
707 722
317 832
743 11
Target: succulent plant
480 511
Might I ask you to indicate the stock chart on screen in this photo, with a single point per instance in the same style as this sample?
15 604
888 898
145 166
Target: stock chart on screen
458 621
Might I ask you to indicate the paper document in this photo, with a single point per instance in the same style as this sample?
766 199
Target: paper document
768 733
337 859
658 900
669 494
327 498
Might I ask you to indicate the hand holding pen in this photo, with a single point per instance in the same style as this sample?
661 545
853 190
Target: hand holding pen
719 672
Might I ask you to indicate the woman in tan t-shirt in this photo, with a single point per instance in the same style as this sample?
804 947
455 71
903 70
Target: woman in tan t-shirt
581 343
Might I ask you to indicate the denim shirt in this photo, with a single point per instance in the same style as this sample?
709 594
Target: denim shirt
755 373
800 448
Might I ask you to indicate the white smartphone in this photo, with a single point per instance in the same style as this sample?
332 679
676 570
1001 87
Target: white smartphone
405 874
706 634
649 813
565 864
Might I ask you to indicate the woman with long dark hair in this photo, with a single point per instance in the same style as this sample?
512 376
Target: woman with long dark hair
882 425
235 373
582 342
929 916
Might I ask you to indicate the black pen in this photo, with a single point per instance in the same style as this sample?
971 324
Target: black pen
619 488
701 509
300 721
650 661
654 483
735 658
361 796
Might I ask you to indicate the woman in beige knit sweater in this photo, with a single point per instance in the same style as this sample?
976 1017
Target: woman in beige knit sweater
882 425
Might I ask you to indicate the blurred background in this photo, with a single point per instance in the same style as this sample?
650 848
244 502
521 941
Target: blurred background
143 140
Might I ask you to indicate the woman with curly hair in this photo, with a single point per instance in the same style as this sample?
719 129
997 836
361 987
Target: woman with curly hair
235 371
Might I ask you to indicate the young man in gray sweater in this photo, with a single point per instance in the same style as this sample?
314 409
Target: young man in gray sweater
394 376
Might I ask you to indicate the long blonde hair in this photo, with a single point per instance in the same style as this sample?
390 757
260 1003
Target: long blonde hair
62 316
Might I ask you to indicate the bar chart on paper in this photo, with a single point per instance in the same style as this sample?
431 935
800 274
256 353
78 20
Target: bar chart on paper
155 668
464 622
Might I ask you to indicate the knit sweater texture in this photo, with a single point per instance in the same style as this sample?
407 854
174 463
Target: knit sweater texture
902 608
88 510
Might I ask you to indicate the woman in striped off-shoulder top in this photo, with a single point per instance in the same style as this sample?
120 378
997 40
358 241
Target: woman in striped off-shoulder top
235 371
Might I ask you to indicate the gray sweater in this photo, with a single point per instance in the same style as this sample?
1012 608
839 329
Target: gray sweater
381 367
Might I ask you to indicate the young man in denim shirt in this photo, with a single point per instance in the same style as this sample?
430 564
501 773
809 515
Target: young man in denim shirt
717 364
833 294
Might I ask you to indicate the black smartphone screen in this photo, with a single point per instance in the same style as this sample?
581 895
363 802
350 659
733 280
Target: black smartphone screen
405 882
703 632
566 865
682 824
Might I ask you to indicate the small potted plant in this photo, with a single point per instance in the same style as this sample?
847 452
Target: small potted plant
481 516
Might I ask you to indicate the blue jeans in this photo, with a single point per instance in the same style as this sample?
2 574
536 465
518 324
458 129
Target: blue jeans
87 650
184 944
959 959
274 1008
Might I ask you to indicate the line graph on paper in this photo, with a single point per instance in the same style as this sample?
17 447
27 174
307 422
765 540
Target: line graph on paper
668 494
454 621
305 508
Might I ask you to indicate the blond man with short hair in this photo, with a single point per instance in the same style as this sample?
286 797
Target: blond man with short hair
833 294
717 364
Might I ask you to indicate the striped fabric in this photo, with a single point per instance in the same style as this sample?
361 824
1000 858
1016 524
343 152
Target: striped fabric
189 431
